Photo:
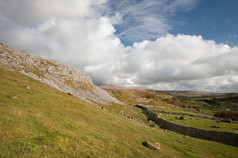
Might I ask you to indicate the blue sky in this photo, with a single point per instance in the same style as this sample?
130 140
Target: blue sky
213 19
159 44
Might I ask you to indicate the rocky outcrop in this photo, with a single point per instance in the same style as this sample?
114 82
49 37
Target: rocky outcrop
65 78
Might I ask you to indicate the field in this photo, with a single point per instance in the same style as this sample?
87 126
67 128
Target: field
39 121
209 103
196 122
189 111
201 123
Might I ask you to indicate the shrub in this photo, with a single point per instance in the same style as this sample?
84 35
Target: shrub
227 114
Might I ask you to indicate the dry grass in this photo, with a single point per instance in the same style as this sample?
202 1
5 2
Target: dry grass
138 96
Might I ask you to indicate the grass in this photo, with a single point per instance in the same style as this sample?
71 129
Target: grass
201 123
139 96
209 103
209 111
44 122
175 110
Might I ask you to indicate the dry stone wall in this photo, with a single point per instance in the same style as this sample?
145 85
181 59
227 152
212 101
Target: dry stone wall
206 134
193 115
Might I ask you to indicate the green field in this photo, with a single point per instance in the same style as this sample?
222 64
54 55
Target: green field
201 123
176 110
44 122
209 103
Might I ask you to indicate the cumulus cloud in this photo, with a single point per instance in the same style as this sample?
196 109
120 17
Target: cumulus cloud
178 62
82 33
80 42
28 12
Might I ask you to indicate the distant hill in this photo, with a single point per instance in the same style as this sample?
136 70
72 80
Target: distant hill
138 96
190 93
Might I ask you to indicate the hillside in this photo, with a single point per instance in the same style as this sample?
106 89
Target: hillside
39 119
209 103
63 77
138 96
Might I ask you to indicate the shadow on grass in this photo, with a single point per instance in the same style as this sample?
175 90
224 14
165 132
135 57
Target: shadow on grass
145 144
149 117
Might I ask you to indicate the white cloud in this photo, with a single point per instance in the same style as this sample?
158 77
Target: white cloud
28 12
146 19
179 62
85 38
76 41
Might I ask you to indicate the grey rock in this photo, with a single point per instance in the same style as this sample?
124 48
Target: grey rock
228 120
14 97
151 145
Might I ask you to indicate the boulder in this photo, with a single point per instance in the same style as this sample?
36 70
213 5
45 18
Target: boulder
69 93
181 118
152 146
228 120
14 97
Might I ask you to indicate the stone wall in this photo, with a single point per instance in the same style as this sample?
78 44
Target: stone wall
192 115
206 134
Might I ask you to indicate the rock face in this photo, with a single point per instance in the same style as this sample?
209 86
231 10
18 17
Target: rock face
66 78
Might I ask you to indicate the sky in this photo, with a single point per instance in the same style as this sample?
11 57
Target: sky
189 45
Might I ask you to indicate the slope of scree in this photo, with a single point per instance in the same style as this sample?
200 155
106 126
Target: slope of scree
63 77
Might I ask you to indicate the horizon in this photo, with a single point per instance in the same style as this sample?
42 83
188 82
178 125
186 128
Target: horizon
178 45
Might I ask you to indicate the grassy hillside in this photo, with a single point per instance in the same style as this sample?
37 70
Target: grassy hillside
138 96
39 121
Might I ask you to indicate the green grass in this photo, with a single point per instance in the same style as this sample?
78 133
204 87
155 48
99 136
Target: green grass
209 111
44 122
201 123
209 103
175 110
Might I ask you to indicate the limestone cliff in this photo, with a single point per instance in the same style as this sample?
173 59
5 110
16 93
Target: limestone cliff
66 78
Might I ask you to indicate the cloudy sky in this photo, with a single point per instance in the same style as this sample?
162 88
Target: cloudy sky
159 44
